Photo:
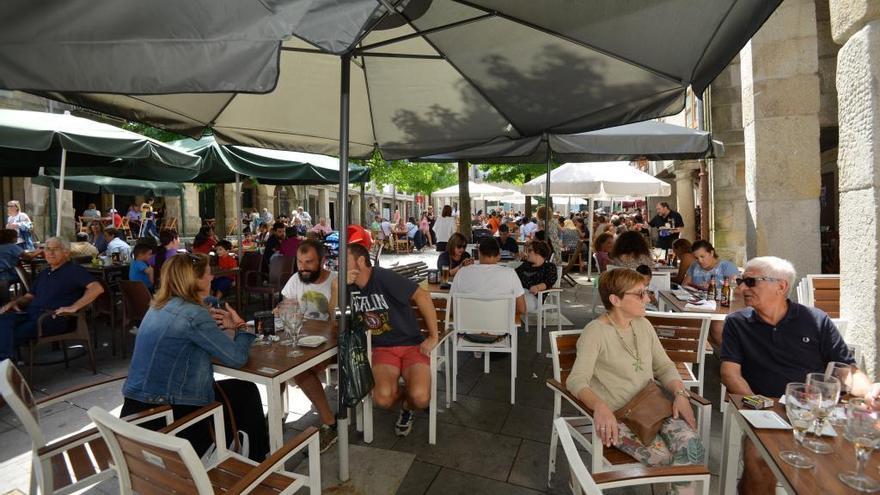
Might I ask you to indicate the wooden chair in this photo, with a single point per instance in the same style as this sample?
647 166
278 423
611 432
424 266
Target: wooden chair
151 462
135 303
684 336
51 471
402 244
439 357
126 228
478 314
79 332
280 270
564 351
583 482
231 225
823 292
250 263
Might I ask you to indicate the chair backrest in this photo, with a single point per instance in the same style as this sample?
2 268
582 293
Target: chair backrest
609 266
558 282
135 300
661 280
375 253
151 462
683 335
823 292
280 270
105 304
477 313
563 351
18 395
23 277
250 262
441 305
581 477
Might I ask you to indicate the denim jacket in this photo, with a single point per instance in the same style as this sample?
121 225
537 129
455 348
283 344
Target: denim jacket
171 363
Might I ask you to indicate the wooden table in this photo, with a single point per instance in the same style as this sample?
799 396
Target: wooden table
236 274
668 302
270 366
433 288
822 479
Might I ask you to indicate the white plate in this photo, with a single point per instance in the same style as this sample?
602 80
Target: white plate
312 340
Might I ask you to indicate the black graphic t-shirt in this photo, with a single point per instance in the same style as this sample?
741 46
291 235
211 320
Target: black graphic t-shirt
384 308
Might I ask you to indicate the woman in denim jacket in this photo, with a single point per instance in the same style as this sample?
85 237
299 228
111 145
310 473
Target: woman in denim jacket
176 341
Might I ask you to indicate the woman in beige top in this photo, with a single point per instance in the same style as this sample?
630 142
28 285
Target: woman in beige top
618 354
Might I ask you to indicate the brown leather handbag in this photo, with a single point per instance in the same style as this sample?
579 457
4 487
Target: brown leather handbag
644 413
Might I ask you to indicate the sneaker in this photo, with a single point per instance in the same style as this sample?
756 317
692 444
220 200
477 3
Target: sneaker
404 423
327 436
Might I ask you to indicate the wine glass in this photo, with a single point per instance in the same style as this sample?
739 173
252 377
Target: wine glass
800 402
829 393
862 428
843 372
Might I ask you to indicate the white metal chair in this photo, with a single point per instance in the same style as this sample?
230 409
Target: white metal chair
51 472
583 482
478 314
564 352
158 462
549 301
439 357
661 280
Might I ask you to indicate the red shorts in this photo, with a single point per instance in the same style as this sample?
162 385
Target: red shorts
400 356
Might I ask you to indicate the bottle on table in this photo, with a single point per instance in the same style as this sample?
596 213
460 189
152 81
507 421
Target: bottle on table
725 294
710 293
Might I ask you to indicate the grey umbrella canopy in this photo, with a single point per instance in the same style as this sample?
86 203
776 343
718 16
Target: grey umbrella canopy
650 140
452 75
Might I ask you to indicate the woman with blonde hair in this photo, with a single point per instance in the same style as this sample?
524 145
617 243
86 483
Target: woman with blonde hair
172 360
619 355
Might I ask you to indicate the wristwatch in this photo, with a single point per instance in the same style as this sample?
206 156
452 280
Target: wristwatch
684 393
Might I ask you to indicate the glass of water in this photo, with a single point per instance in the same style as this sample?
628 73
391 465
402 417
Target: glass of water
801 401
829 393
862 428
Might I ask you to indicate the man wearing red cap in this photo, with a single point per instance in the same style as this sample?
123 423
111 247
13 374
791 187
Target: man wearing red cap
383 301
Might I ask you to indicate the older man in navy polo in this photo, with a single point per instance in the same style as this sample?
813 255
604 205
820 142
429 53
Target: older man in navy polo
775 341
61 289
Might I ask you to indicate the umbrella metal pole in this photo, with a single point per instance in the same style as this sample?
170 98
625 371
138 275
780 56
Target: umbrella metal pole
590 236
548 202
60 192
342 265
238 215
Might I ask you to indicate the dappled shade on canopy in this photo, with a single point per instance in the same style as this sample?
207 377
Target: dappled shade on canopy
598 180
448 76
220 163
30 141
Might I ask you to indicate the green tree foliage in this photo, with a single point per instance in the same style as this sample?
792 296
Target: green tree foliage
152 132
410 177
513 173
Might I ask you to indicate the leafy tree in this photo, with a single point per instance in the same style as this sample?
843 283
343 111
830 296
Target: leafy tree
152 132
410 177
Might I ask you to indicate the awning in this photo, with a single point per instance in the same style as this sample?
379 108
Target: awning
111 185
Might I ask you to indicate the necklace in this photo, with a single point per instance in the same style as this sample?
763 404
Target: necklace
636 355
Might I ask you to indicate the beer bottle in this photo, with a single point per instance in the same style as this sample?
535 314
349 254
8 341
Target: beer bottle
725 294
710 294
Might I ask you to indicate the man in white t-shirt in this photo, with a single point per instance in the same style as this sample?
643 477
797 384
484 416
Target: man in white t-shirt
314 287
489 278
529 226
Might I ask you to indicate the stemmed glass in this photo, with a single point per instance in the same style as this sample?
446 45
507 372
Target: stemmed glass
801 401
843 372
291 318
862 428
829 393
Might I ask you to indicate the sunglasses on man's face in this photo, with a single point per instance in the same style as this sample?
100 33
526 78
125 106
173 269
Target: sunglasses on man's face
753 281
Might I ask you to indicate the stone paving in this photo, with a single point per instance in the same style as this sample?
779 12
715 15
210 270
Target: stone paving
485 445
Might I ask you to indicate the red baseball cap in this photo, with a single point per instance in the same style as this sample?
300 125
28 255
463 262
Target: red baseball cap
359 235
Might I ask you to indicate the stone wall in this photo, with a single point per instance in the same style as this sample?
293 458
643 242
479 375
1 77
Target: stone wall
728 172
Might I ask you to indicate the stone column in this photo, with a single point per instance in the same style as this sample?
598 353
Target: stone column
856 25
323 206
780 93
684 196
190 220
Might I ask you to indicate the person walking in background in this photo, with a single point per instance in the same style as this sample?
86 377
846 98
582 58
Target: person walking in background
18 221
444 227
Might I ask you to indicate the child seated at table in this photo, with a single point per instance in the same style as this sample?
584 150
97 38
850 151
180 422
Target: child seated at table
140 270
226 261
647 275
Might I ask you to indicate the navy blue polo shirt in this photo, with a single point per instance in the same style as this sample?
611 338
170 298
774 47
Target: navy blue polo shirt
804 341
56 288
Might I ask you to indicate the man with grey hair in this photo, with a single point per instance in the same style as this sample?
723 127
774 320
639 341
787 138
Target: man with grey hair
774 341
64 288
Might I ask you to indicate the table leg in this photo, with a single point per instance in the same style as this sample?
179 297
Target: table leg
731 450
276 433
